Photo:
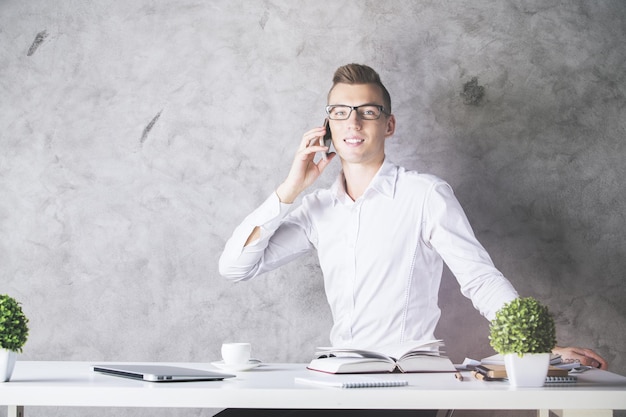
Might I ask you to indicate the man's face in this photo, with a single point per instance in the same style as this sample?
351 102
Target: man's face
355 139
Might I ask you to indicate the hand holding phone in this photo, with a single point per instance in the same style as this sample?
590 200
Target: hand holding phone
327 139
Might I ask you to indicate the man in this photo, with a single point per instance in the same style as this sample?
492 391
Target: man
381 232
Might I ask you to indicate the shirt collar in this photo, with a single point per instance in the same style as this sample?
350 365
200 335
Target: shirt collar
384 182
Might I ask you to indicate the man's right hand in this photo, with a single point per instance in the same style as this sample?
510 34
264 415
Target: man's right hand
304 171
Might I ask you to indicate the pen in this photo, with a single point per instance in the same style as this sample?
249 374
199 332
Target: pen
458 376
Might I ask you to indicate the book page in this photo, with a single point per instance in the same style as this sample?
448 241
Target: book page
389 352
400 350
349 352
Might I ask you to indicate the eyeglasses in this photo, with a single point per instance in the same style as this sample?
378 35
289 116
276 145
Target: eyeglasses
364 111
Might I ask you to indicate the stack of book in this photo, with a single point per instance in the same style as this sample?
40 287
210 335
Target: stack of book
487 372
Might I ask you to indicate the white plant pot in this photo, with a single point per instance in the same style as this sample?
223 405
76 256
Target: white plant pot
7 363
529 370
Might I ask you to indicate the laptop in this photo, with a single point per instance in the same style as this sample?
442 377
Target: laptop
160 373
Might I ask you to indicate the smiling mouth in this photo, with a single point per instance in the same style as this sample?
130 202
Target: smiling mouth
354 141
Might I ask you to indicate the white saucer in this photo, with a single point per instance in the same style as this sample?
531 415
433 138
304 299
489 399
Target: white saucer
252 363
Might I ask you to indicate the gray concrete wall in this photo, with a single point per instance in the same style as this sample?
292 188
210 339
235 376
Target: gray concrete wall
134 136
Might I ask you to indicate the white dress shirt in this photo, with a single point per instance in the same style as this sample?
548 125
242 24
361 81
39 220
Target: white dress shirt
381 255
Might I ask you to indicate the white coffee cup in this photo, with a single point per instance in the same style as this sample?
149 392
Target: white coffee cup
236 353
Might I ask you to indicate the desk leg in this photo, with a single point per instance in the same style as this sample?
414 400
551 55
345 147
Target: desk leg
575 413
15 411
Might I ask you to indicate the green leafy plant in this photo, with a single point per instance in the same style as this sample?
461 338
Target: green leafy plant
522 326
13 324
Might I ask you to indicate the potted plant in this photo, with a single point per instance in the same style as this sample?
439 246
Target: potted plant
13 334
524 333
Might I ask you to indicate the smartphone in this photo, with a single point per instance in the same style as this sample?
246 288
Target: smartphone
327 140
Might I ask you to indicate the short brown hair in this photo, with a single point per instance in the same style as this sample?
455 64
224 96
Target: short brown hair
361 74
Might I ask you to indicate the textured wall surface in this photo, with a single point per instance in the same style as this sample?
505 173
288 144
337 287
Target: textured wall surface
134 136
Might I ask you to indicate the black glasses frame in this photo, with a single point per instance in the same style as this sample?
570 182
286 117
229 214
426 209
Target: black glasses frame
378 106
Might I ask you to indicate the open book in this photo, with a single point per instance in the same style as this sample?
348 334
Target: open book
413 356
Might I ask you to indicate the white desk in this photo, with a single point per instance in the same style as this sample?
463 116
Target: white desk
597 392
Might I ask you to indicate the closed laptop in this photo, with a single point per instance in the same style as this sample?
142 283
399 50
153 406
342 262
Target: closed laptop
160 373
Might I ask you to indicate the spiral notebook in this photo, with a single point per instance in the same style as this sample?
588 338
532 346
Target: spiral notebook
352 381
561 379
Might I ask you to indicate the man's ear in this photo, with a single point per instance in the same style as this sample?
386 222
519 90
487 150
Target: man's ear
391 126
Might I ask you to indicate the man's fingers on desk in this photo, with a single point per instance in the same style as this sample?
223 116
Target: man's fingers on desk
587 361
591 362
591 358
584 356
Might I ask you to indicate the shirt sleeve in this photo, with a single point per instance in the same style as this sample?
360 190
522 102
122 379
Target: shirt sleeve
279 243
450 234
